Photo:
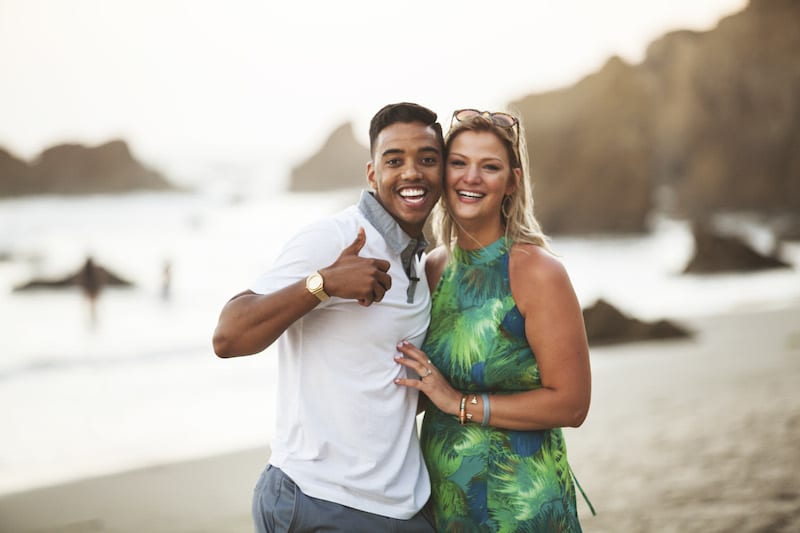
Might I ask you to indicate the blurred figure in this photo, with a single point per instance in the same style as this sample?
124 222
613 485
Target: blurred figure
91 280
166 280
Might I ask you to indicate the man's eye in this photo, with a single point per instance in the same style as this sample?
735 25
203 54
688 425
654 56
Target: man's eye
430 161
393 162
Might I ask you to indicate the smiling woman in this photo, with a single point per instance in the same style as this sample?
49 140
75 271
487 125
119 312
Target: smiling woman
505 364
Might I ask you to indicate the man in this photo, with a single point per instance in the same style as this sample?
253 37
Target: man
342 293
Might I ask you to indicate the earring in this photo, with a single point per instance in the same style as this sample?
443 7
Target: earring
505 207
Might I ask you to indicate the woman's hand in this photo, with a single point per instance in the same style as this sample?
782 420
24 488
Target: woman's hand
431 381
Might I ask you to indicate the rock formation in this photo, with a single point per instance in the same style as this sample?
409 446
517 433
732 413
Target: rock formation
713 116
605 324
715 253
591 151
77 279
340 163
77 169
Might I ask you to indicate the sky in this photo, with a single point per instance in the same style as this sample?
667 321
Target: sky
247 86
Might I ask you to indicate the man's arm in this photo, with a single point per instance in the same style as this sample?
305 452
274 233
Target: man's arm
251 322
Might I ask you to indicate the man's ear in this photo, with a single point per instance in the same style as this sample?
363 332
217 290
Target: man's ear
371 176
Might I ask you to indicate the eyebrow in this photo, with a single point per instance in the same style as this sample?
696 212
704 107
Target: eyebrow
481 159
394 151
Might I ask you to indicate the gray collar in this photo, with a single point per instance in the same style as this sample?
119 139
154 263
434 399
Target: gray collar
397 239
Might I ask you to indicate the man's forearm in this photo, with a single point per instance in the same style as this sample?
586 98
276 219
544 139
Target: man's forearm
250 322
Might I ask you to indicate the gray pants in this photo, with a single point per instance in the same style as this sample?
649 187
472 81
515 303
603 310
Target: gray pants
279 506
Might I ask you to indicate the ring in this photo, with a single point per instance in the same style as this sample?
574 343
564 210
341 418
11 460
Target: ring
428 373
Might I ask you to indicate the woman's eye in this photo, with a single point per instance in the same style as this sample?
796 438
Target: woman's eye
492 168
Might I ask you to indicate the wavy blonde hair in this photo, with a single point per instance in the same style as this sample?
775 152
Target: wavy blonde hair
520 225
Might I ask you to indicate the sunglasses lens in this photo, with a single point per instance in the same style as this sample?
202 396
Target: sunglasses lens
504 120
464 114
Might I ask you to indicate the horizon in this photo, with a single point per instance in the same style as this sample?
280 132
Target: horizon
197 88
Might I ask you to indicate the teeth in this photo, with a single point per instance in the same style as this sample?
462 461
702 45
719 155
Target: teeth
470 194
407 193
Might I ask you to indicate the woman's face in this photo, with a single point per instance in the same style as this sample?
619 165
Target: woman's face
477 177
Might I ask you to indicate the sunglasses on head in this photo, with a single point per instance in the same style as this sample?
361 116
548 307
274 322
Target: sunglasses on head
504 120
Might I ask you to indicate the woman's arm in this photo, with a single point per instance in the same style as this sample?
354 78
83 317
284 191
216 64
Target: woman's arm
555 331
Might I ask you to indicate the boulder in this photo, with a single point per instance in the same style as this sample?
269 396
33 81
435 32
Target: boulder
717 253
101 276
605 324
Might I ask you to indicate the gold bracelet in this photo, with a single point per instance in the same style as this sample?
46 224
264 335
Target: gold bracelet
462 410
473 401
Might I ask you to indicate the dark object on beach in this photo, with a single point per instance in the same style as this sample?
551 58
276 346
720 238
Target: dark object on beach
91 277
714 253
605 324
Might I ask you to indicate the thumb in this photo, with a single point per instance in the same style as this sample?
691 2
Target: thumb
356 245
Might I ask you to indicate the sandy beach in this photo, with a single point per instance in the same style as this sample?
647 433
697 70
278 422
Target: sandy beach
691 435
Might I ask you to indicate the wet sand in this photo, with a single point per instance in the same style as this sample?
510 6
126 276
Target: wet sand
694 435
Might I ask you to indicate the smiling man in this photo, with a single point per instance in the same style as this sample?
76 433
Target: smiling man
342 292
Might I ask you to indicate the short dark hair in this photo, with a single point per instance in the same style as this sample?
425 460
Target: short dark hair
402 112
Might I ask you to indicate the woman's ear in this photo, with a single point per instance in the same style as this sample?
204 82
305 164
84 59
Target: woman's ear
513 183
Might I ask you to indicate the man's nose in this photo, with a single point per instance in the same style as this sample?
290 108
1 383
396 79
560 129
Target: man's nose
411 172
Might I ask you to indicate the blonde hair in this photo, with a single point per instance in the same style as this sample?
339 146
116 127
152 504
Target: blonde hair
519 221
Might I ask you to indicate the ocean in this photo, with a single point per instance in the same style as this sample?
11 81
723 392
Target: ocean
141 385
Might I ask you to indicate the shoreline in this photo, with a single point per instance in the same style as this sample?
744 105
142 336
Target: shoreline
684 435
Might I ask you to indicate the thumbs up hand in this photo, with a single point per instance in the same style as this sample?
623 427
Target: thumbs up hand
357 278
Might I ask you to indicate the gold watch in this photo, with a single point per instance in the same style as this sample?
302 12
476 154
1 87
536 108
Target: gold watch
316 286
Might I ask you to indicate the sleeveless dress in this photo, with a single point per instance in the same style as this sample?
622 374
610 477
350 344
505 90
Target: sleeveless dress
486 478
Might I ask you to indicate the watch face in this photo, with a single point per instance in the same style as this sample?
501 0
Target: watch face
315 282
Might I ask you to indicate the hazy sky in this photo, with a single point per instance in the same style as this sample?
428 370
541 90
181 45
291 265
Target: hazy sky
241 82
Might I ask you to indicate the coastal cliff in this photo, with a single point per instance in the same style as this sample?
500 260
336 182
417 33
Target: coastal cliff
78 169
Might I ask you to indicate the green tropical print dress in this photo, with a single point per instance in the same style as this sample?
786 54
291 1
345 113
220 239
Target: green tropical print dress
486 479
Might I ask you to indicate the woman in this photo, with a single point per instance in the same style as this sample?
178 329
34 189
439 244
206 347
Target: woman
506 362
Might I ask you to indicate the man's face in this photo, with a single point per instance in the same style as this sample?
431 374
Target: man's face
406 173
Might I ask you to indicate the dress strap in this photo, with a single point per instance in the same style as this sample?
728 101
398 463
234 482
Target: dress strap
585 498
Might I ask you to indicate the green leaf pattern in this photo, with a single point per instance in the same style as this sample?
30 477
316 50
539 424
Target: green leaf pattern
485 479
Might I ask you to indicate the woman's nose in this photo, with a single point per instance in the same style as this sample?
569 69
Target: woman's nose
472 174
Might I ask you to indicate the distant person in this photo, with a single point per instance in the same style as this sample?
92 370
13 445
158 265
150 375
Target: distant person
166 280
345 456
505 364
91 279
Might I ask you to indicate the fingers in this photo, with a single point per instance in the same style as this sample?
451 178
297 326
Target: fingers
415 359
356 245
412 352
381 264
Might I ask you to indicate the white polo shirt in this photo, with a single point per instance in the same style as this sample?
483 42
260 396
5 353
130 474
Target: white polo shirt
345 431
